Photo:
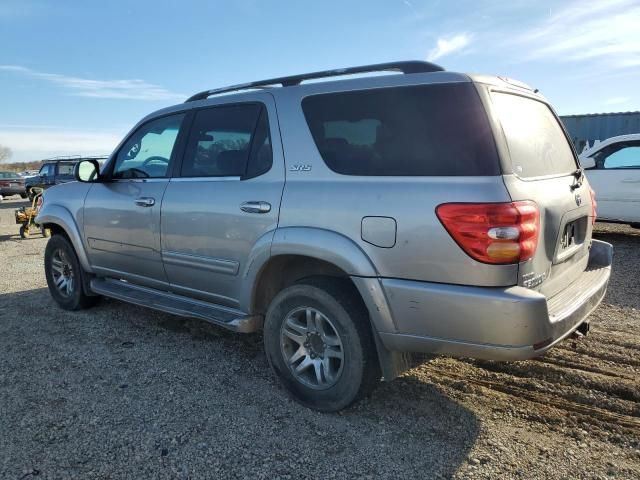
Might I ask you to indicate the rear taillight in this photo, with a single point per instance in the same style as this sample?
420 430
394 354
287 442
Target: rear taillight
497 233
594 205
4 184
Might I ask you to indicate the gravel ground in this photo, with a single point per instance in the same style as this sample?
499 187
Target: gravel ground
123 392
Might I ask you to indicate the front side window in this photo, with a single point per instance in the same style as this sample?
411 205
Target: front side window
427 130
620 155
46 170
147 153
224 139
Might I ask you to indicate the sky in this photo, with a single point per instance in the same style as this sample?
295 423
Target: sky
75 76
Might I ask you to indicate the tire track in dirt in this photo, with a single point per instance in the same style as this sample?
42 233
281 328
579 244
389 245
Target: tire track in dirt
609 356
586 368
536 375
588 413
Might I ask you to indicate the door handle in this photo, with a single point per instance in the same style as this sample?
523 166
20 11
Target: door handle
630 180
145 201
256 207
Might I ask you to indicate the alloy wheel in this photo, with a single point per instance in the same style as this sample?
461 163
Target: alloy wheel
312 348
62 273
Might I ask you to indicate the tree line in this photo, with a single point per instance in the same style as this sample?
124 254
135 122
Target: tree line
6 153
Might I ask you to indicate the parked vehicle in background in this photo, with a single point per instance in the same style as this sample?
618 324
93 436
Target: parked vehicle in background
613 169
55 172
11 184
28 173
354 221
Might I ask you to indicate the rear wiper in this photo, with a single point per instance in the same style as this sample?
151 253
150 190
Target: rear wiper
578 174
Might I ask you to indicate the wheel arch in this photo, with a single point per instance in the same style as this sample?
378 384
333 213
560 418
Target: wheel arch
322 251
60 221
296 253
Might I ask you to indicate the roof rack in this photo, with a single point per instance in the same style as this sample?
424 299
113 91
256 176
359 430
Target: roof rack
74 158
413 66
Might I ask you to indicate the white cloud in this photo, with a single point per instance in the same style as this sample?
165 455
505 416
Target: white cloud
449 44
604 33
616 100
83 87
36 143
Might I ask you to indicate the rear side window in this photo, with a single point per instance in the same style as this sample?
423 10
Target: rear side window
223 139
65 168
536 141
427 130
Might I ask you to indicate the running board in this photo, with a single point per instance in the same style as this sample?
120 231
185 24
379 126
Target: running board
226 317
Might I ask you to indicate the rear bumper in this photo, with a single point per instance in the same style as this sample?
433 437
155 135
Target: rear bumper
512 323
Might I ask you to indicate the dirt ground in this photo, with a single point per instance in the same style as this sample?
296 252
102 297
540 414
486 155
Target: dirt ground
123 392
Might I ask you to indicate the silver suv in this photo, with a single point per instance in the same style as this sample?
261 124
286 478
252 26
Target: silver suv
355 221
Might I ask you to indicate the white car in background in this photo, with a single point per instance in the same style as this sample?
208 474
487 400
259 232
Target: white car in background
613 170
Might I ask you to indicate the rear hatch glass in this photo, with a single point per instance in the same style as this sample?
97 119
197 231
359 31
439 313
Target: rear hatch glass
544 164
426 130
537 144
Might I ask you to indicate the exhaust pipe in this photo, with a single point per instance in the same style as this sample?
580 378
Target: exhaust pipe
581 331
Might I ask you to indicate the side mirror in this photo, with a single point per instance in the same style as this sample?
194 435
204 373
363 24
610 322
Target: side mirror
87 171
587 163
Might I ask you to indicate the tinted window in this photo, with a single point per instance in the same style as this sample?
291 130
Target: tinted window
619 156
147 153
536 141
426 130
221 139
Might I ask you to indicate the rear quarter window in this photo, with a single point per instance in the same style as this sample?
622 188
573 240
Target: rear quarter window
537 144
426 130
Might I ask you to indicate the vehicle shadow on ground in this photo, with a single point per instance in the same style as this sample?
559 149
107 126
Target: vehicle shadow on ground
17 237
6 204
128 377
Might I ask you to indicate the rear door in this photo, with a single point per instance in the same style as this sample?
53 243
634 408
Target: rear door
540 165
224 200
616 181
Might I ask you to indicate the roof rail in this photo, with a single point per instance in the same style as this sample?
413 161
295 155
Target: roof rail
74 158
413 66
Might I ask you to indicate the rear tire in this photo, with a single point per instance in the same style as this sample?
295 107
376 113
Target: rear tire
23 195
321 328
65 275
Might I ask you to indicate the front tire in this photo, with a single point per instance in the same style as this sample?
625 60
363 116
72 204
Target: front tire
64 275
319 343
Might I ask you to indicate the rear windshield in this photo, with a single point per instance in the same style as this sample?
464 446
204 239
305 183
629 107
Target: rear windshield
537 144
427 130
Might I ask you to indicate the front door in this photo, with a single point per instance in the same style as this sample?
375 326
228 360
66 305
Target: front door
122 213
616 181
225 198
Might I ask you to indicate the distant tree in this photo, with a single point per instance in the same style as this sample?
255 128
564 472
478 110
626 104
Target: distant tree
5 153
